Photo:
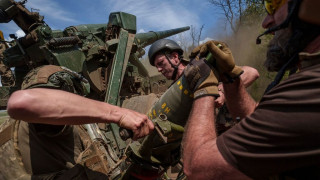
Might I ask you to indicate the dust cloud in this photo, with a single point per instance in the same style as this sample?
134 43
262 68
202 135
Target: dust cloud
247 53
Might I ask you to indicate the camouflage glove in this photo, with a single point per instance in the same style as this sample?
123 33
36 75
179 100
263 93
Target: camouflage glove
224 60
202 79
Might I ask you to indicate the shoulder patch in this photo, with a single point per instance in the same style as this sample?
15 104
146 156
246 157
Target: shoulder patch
39 75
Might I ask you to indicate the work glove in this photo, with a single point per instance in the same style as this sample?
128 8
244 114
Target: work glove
224 62
202 78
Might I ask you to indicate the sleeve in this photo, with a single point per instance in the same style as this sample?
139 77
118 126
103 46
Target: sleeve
54 77
283 132
50 130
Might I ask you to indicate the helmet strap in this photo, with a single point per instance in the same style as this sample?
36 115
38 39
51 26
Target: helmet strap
175 67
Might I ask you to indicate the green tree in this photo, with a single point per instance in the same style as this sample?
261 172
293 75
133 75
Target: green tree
238 12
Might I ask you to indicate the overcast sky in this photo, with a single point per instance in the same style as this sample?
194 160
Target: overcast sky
152 15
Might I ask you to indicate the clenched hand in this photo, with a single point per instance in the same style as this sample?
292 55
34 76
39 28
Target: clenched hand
202 78
224 60
137 122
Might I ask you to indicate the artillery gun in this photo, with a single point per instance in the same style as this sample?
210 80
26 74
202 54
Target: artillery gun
107 57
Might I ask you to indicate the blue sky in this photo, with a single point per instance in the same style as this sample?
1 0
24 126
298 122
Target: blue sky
152 15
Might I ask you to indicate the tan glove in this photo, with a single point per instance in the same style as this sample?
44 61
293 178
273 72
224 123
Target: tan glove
202 79
224 60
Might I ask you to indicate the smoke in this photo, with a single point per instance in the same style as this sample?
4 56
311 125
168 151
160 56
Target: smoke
205 40
247 53
243 45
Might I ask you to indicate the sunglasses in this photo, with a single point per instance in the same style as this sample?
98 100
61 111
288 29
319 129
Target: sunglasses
272 5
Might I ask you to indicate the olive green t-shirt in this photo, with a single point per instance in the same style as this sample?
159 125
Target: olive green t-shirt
51 151
282 136
48 148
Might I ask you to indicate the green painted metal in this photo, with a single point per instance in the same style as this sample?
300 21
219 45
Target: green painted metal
86 29
73 59
177 127
127 55
145 39
115 81
124 20
175 103
14 57
157 147
99 52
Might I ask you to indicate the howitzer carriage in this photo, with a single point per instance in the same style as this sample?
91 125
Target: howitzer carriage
106 58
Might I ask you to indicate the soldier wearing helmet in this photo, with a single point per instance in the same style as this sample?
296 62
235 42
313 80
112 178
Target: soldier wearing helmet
167 56
279 137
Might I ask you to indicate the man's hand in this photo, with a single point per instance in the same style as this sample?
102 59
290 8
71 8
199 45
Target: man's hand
137 122
224 60
219 101
64 108
202 78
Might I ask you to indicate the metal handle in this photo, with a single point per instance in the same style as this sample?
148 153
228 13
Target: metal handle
125 134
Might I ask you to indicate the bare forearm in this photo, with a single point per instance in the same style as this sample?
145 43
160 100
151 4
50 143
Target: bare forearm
200 129
201 157
57 107
239 102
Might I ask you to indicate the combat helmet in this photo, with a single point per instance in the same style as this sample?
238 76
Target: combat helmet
163 45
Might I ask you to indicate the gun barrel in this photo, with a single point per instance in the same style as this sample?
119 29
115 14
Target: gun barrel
145 39
5 5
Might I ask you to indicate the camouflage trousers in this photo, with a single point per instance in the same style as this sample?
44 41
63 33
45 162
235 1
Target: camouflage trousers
6 74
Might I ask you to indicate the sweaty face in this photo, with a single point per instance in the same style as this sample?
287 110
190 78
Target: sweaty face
163 66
